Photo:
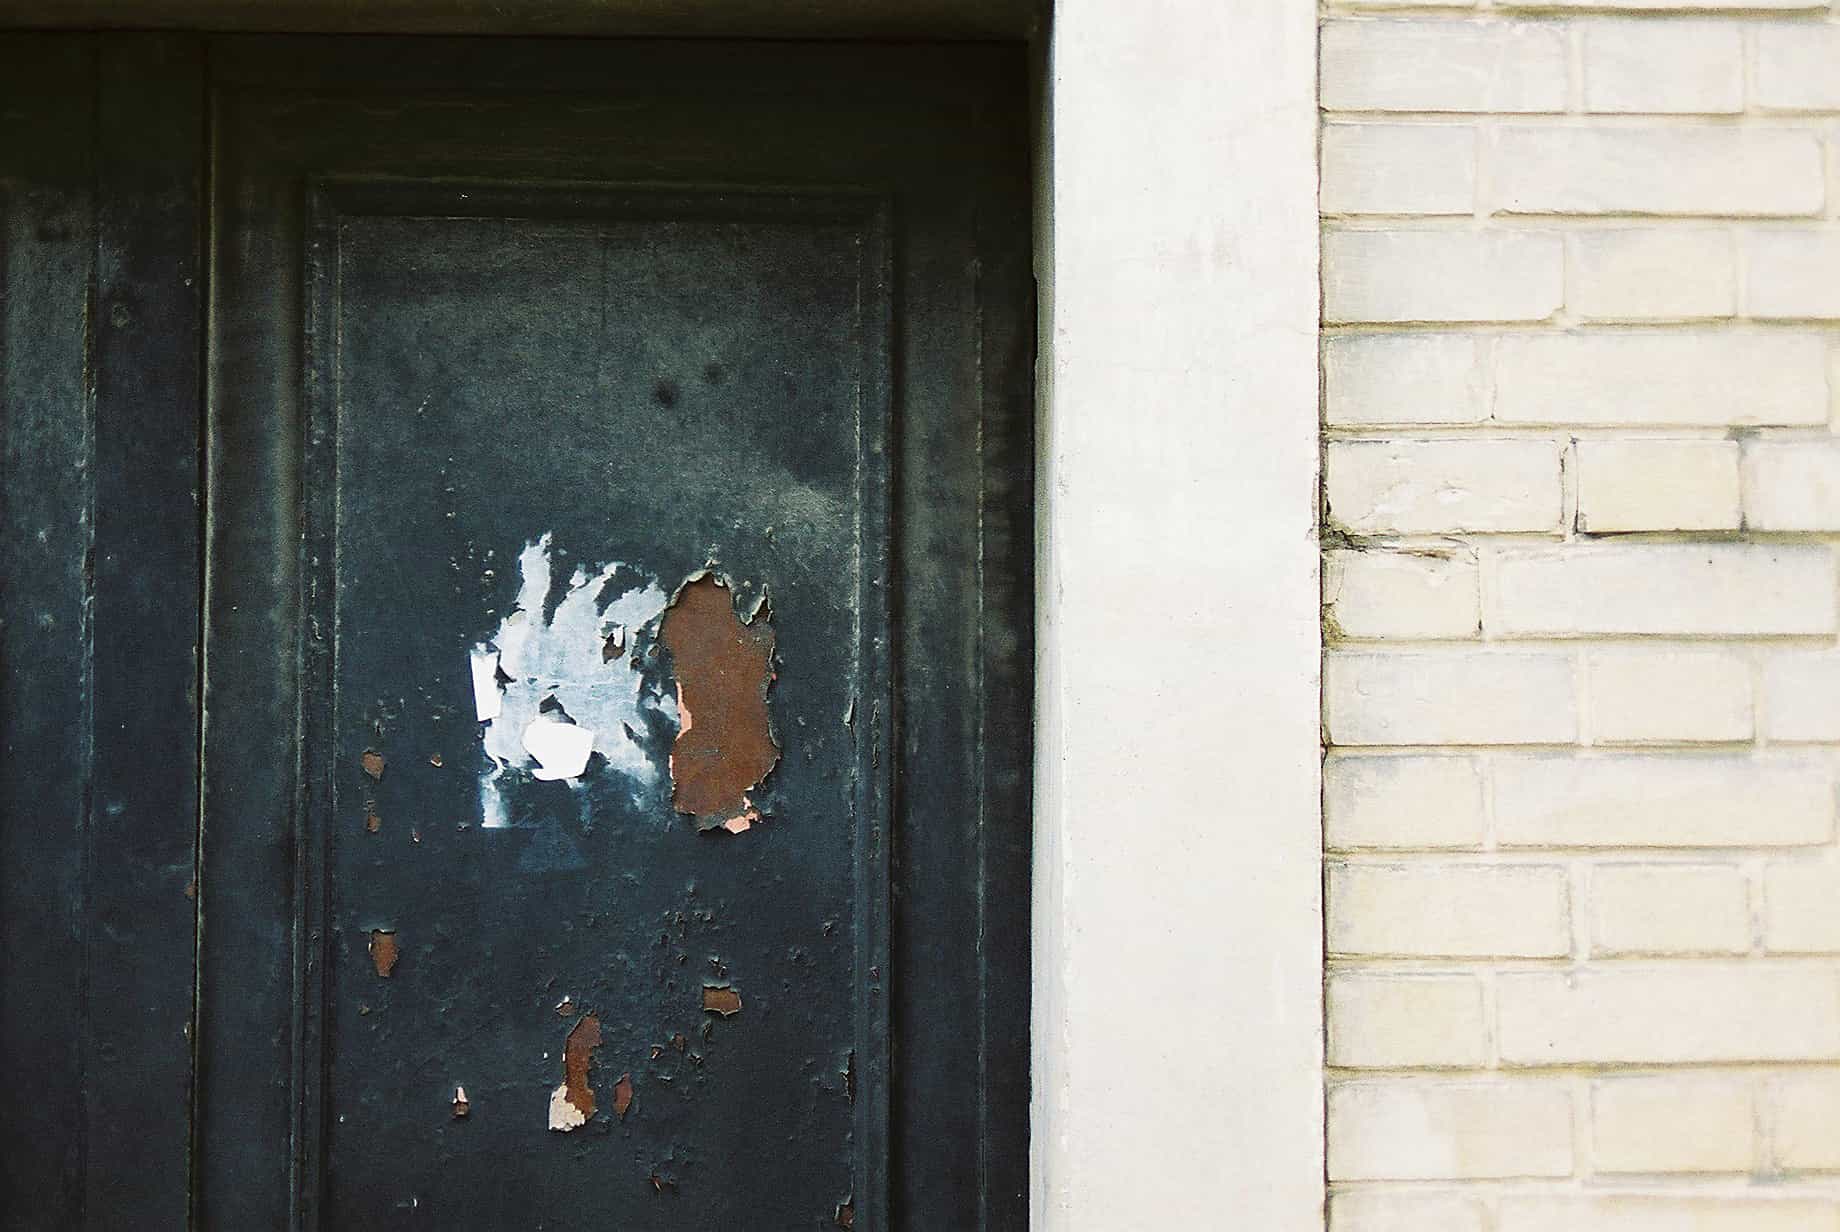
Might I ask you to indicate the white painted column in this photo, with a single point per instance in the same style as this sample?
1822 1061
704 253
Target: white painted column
1177 891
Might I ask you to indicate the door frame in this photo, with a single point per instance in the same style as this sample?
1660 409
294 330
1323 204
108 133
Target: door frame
1177 935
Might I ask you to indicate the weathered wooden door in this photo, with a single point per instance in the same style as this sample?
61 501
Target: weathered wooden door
516 634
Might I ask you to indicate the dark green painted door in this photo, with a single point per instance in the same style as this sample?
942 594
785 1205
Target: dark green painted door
564 510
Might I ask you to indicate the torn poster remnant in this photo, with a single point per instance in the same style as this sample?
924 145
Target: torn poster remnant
572 1103
547 692
724 666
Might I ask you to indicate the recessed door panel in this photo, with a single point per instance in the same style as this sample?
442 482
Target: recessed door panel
547 416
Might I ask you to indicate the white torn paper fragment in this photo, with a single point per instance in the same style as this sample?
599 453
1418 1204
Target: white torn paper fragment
487 699
561 750
563 1115
530 660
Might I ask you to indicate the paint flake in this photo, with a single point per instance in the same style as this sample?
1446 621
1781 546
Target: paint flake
724 666
572 1103
721 999
622 1096
462 1107
384 951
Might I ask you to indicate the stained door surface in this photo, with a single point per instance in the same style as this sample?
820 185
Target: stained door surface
573 766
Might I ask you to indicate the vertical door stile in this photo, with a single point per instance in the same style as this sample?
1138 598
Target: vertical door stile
145 350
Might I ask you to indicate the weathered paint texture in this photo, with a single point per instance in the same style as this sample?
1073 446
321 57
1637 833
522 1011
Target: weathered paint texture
572 1103
720 999
724 665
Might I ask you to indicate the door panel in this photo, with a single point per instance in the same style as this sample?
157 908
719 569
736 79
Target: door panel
510 343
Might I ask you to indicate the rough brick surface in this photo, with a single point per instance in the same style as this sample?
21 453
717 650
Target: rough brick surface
1581 407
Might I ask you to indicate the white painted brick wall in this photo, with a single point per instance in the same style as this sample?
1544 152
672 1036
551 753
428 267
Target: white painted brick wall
1581 405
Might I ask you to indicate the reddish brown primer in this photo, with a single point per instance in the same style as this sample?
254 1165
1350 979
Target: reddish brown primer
372 761
384 951
725 743
622 1095
720 1000
577 1051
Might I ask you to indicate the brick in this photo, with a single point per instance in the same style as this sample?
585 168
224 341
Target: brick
1426 910
1418 1129
1669 909
1662 801
1379 594
1674 170
1667 696
1398 169
1393 1211
1792 485
1795 67
1391 276
1402 802
1432 487
1405 378
1792 275
1651 484
1801 697
1651 274
1406 1021
1671 1123
1677 66
1646 1213
1686 378
1678 1014
1442 66
1804 1110
1730 589
1801 908
1449 697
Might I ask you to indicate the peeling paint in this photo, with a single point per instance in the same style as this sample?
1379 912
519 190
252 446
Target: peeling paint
846 1213
462 1106
373 763
572 1103
384 951
622 1096
546 691
724 666
721 999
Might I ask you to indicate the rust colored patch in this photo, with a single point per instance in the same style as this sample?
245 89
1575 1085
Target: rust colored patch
434 759
622 1096
724 745
679 1042
846 1214
721 1000
384 951
373 763
565 1007
461 1106
572 1103
372 822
